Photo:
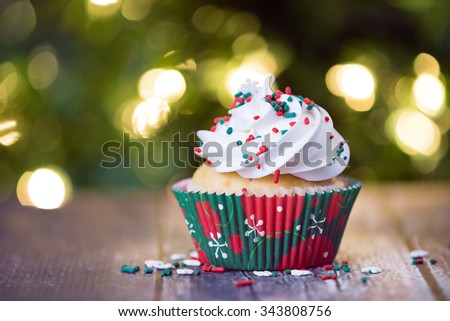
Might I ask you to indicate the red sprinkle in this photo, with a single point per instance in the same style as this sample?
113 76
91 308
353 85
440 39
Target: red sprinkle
250 158
307 101
344 262
419 260
256 117
250 138
278 103
244 190
206 268
197 150
226 118
292 123
258 166
248 99
208 162
280 113
216 120
275 130
326 277
333 276
213 128
239 100
243 282
306 121
288 90
327 118
331 136
276 176
268 96
328 267
218 269
278 93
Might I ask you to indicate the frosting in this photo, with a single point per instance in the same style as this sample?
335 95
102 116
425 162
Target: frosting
276 133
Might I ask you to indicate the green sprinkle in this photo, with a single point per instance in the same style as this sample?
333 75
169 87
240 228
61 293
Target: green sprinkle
345 157
259 136
183 264
288 272
229 130
238 94
300 97
283 103
336 267
310 106
199 143
148 270
433 261
274 273
414 262
267 100
346 269
166 273
363 279
284 131
197 272
286 107
246 161
331 273
247 95
245 155
129 269
290 115
273 104
221 121
176 264
277 108
289 99
239 142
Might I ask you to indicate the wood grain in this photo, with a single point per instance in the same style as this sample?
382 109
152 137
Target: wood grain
75 253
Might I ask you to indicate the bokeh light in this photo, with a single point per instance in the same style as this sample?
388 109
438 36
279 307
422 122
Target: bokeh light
17 21
136 10
102 9
45 188
8 81
238 76
426 63
8 132
415 133
168 85
42 67
149 116
355 83
208 18
429 93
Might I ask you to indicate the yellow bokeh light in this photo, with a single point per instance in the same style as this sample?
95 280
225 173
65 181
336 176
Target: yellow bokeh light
42 67
425 63
9 133
17 21
238 76
136 10
416 134
429 93
168 85
45 188
149 116
208 18
8 81
355 83
102 9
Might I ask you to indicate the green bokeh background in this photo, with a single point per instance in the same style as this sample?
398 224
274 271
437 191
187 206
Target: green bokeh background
101 60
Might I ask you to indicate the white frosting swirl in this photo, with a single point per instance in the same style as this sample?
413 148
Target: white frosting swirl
256 140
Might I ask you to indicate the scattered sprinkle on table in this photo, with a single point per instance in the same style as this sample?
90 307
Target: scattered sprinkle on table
185 271
301 273
177 256
240 283
193 254
153 263
176 264
371 270
148 270
418 254
129 269
192 262
218 269
262 273
288 272
363 279
328 267
165 266
197 272
166 273
433 261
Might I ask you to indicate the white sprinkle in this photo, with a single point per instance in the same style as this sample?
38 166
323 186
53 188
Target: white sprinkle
164 266
418 253
220 206
325 254
153 263
371 270
192 262
298 227
185 271
262 273
301 272
193 254
279 209
177 256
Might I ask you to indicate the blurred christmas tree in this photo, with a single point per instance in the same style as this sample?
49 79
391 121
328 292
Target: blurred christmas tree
77 74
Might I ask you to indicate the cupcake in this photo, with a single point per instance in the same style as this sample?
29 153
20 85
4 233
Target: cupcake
270 195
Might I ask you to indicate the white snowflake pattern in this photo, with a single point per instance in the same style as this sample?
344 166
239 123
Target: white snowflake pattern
250 87
315 225
254 228
216 243
190 227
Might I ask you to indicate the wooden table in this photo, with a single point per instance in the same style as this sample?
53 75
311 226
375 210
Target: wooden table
75 253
